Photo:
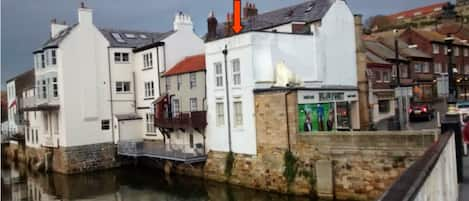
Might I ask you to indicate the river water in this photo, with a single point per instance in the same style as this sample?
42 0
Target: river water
123 184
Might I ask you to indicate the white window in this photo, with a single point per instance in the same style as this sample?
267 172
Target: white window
238 114
446 50
121 57
456 51
236 72
386 77
418 67
122 87
178 80
437 67
147 60
53 57
436 48
466 52
149 89
168 83
404 71
220 110
44 89
218 75
426 67
105 124
36 65
193 80
176 107
193 104
55 89
466 69
43 61
150 126
47 57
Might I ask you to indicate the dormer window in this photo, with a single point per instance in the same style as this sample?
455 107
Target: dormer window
118 37
129 35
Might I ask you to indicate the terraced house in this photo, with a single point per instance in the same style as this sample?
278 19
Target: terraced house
95 85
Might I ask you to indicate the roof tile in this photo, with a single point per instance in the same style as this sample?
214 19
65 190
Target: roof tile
187 65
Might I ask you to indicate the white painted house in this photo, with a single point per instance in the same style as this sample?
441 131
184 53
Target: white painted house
312 42
95 85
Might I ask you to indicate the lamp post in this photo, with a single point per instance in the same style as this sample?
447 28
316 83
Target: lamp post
449 15
399 90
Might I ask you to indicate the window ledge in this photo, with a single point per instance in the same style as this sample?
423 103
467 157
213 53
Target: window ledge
121 62
124 93
147 68
148 98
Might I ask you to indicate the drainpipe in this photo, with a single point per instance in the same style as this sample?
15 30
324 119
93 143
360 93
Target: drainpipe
110 94
286 115
135 93
225 54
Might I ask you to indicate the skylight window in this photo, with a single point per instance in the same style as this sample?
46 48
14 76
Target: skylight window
129 35
118 37
143 36
310 7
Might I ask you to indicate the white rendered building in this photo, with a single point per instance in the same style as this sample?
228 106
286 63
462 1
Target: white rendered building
310 45
96 85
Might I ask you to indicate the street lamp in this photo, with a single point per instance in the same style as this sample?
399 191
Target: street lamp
399 91
448 16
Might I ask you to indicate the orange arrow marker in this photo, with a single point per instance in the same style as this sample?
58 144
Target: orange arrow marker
237 27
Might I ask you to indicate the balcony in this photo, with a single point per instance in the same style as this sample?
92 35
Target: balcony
184 120
40 104
176 152
50 141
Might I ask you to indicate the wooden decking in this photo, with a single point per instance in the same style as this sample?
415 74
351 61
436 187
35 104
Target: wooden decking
180 153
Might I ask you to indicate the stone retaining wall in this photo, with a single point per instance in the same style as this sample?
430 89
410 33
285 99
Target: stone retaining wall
66 160
86 158
364 165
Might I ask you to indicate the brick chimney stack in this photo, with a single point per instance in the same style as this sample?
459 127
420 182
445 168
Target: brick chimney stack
212 24
249 10
228 24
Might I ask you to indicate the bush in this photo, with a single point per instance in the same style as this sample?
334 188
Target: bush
229 164
291 167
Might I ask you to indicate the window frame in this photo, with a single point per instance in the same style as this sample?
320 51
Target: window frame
220 114
176 106
53 54
436 48
149 123
219 77
193 104
192 80
122 86
236 74
55 87
105 124
147 60
238 114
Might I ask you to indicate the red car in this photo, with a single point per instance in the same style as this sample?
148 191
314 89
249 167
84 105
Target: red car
420 111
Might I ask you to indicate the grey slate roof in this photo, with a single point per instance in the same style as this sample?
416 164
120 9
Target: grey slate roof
308 11
54 42
408 52
381 50
151 37
373 58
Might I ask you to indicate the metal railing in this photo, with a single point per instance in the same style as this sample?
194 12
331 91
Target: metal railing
433 175
196 119
177 152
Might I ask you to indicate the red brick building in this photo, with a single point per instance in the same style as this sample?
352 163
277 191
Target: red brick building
433 43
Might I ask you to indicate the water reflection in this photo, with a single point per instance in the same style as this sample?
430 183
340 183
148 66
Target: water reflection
125 184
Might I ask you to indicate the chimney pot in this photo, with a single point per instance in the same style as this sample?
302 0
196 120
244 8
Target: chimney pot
53 21
249 10
82 5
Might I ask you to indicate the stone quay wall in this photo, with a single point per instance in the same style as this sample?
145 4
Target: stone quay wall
86 158
341 165
363 165
66 160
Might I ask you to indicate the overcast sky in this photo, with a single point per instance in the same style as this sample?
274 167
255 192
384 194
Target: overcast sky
25 23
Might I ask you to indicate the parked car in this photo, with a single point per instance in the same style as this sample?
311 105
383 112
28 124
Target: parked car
421 111
463 108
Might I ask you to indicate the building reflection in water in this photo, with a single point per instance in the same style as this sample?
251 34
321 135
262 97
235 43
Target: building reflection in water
125 184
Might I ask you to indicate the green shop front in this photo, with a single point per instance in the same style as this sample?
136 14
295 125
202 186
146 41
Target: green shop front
327 110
